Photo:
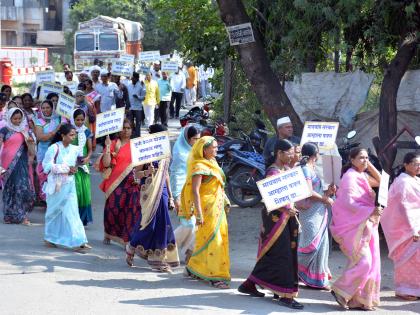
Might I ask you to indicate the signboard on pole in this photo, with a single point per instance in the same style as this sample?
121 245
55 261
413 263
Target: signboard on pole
44 76
170 66
321 133
127 58
149 56
240 34
65 105
287 187
383 189
109 122
47 88
150 148
122 68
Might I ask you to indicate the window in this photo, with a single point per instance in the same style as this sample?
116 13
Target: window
108 41
85 42
29 39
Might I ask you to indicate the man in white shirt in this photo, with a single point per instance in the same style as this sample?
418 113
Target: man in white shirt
178 82
108 91
155 71
136 94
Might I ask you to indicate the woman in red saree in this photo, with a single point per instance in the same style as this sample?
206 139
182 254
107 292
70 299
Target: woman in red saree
18 188
354 227
122 190
401 225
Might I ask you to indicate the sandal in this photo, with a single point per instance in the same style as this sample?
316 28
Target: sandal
26 222
129 255
49 244
106 241
220 285
407 297
339 300
291 303
86 246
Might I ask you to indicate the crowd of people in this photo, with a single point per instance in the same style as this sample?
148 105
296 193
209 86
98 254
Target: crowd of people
46 158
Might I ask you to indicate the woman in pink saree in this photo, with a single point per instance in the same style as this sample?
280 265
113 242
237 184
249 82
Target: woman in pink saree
401 225
354 226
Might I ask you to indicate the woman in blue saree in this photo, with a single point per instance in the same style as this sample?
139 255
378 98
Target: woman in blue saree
63 226
153 237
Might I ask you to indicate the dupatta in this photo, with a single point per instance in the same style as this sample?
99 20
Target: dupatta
120 164
197 164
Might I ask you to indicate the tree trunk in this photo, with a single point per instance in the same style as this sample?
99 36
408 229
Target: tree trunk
227 88
257 68
337 51
388 100
349 54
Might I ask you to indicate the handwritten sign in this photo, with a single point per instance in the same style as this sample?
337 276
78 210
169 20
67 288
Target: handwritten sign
331 169
150 148
287 187
321 133
240 34
144 69
65 105
165 57
109 122
47 88
122 68
170 66
72 85
383 189
127 58
149 56
44 76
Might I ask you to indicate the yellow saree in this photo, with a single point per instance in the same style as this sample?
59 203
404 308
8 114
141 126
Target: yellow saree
210 259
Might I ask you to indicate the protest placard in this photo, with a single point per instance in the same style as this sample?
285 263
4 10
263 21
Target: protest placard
331 168
72 85
150 148
127 58
149 56
165 57
44 76
65 105
383 189
109 122
122 68
240 34
170 66
144 69
280 190
321 133
47 88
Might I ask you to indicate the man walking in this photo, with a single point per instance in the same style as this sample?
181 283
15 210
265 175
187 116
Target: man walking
165 98
178 83
108 91
136 92
151 100
190 96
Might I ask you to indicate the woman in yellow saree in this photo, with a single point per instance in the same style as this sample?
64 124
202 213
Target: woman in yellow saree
203 196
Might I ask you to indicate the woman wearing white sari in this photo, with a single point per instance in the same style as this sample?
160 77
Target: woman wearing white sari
62 222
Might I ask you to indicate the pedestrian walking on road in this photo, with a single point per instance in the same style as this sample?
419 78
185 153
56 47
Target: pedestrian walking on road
152 99
313 250
62 221
401 224
184 233
83 141
122 191
153 237
204 197
178 84
276 269
137 93
354 227
16 169
165 91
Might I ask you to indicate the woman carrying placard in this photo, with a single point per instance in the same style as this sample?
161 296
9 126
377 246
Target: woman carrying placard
153 237
122 191
354 227
276 269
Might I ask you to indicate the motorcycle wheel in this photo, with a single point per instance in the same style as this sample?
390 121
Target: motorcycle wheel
244 198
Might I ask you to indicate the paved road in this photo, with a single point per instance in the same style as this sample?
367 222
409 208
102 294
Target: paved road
39 280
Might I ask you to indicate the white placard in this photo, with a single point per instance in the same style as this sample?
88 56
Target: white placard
150 148
72 85
280 190
109 122
149 56
144 69
47 88
122 68
170 66
321 133
331 168
383 189
44 76
165 57
240 34
127 58
65 105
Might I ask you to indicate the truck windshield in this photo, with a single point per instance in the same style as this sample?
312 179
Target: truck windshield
108 42
85 42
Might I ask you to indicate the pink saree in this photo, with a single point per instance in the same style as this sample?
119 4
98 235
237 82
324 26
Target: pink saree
356 232
400 221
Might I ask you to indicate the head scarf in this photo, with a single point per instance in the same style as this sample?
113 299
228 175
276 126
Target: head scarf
10 125
198 165
81 135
